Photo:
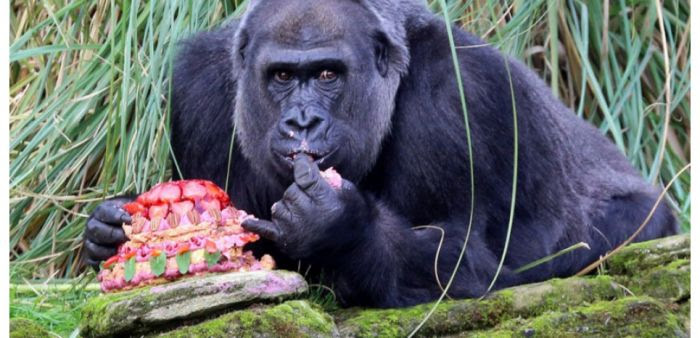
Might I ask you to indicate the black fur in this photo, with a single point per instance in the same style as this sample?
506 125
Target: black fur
405 154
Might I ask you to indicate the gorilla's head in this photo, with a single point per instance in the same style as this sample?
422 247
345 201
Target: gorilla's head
317 77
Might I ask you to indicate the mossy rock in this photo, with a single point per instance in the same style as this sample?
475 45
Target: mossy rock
456 316
560 294
645 293
25 328
639 257
670 281
144 309
627 317
657 269
296 318
449 316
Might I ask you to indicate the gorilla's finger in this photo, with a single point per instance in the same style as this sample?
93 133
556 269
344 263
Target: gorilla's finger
294 195
280 212
99 252
264 228
306 172
111 213
102 233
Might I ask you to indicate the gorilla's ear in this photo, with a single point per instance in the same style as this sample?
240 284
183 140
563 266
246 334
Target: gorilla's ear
391 52
241 36
240 43
380 53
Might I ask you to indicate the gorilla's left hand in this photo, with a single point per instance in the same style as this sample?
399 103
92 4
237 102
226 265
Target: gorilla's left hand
312 217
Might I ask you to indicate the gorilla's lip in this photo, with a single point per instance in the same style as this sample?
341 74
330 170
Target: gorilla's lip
317 156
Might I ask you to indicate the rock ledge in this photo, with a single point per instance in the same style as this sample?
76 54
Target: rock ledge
144 309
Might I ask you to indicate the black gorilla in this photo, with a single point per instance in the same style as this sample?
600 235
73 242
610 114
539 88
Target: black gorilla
368 87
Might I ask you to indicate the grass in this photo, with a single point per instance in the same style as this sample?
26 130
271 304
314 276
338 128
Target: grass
88 114
89 92
53 304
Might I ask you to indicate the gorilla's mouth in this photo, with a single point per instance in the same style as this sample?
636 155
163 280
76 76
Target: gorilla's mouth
320 157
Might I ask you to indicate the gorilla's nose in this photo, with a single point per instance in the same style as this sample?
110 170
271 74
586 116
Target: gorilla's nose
302 121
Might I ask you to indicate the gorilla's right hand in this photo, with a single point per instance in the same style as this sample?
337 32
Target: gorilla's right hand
103 231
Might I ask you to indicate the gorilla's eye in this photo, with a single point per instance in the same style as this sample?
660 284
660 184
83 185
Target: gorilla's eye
283 76
327 75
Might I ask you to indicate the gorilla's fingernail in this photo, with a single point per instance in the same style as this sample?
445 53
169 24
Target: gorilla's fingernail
126 218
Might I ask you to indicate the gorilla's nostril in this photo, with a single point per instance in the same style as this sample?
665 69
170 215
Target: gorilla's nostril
308 121
297 121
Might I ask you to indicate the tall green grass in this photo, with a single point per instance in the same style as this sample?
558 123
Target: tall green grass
89 89
89 92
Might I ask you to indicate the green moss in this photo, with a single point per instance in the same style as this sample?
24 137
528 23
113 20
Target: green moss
142 309
671 281
449 317
104 315
679 264
560 294
628 317
683 312
25 328
100 318
471 314
642 256
291 319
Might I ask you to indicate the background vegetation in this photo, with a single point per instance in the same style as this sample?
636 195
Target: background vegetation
89 102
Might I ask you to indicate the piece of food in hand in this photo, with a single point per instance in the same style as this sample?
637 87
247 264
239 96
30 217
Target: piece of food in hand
332 177
180 229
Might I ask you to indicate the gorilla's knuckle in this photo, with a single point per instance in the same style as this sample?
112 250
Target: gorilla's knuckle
114 232
321 190
275 207
291 194
92 226
90 247
285 216
278 210
100 210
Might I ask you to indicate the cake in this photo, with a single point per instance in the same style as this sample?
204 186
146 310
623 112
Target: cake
180 229
184 228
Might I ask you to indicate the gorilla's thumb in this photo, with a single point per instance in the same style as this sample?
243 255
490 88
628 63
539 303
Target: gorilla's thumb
306 172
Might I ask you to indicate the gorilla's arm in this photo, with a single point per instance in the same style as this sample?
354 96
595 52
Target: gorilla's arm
372 254
396 265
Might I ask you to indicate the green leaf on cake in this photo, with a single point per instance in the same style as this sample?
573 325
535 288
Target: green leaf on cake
158 264
130 269
212 258
183 262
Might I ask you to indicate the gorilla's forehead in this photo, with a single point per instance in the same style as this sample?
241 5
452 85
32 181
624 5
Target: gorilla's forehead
311 23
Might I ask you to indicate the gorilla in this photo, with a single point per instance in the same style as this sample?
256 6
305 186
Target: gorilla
369 87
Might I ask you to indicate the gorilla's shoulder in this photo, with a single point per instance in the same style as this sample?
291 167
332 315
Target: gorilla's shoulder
431 58
203 88
208 49
202 70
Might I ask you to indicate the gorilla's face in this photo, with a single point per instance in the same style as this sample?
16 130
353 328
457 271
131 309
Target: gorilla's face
316 79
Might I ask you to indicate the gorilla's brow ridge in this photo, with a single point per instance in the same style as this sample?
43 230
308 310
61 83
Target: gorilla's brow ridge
293 58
